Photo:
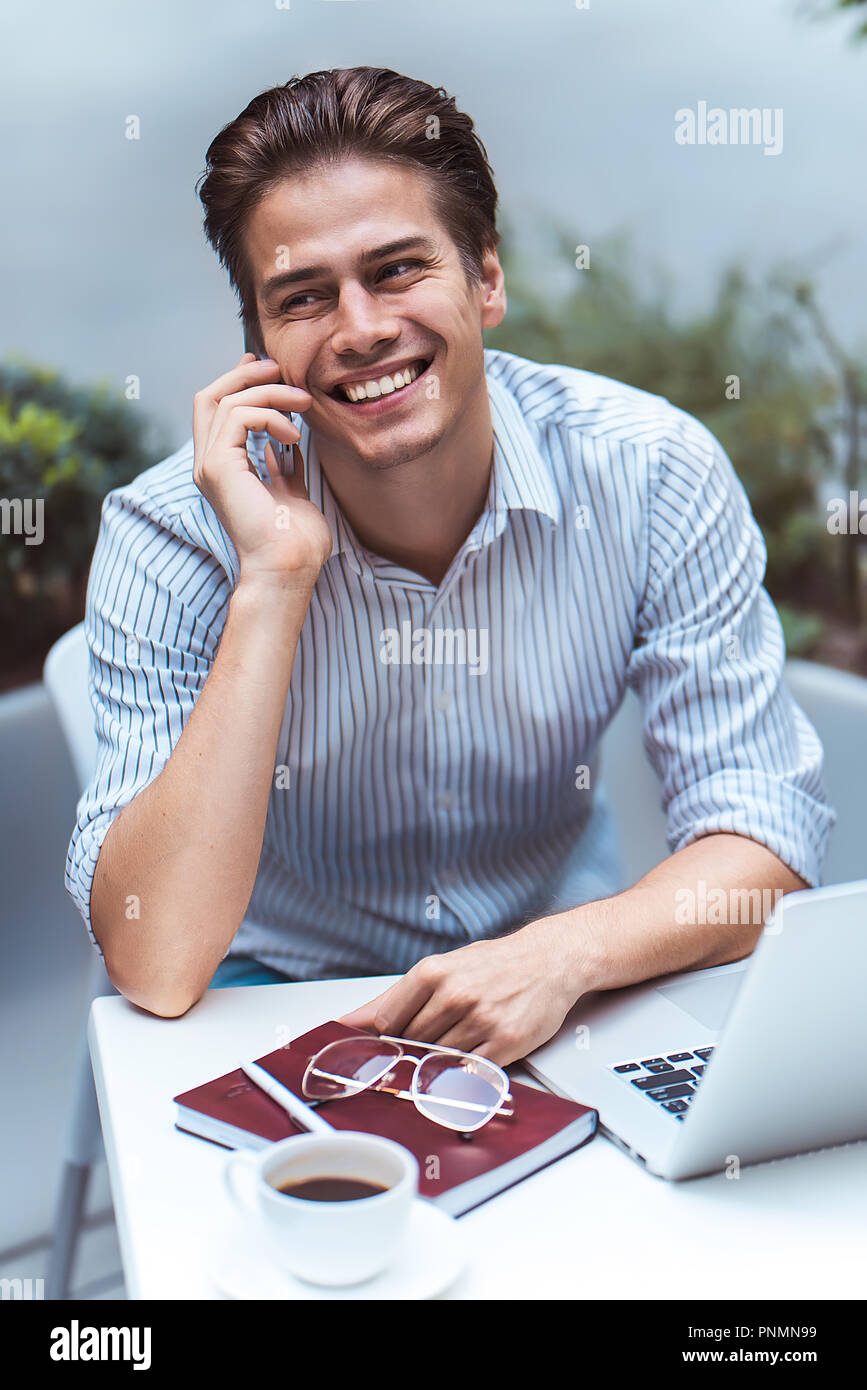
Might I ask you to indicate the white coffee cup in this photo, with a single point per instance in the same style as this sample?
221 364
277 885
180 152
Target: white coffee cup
327 1242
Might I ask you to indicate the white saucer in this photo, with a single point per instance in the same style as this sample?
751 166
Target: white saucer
430 1258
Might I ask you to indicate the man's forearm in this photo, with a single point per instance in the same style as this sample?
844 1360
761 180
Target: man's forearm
702 906
507 996
177 867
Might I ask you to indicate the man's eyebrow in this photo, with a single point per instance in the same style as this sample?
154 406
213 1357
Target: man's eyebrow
314 272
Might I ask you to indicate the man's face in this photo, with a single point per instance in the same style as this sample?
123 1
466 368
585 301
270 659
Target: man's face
341 304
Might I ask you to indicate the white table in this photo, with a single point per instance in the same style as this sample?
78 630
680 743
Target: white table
594 1224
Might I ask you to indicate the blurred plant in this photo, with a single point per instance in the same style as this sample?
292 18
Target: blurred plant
852 391
802 631
825 9
67 447
780 430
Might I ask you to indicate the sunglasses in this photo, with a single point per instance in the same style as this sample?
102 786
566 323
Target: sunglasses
459 1090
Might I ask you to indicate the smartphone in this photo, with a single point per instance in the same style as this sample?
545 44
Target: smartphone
258 438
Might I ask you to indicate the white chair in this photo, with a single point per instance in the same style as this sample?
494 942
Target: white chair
835 702
66 677
65 673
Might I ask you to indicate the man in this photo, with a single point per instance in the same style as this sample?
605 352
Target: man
349 710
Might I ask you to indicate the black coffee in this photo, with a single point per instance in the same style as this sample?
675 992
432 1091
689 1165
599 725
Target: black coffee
332 1189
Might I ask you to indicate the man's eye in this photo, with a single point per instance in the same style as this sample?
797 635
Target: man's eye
296 302
401 266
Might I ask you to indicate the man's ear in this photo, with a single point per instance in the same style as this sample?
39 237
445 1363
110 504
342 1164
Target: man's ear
493 291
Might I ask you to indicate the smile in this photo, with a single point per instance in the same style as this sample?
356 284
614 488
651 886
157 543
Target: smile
375 388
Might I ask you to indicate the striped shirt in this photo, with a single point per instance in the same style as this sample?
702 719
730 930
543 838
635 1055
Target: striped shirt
437 776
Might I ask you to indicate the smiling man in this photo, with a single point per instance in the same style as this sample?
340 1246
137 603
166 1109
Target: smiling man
305 767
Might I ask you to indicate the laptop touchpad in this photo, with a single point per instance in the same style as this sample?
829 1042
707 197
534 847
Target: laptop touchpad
708 1001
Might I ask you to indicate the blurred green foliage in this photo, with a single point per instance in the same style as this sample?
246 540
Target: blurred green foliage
66 446
831 10
861 31
615 317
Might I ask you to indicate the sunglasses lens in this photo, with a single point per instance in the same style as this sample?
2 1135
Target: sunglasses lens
344 1068
461 1092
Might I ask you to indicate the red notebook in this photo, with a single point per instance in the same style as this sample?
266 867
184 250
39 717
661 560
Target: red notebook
455 1173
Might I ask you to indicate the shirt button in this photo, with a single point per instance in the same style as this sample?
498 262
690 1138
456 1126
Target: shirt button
443 701
446 800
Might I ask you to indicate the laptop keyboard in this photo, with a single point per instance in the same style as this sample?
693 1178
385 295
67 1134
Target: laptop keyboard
669 1082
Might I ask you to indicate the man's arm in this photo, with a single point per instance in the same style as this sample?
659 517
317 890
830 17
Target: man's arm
186 848
503 998
703 906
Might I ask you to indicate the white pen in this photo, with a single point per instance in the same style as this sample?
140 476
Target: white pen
296 1109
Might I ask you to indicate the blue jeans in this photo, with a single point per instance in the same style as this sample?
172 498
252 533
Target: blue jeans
244 970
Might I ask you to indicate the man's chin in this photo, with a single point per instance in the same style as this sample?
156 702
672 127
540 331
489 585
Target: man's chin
402 447
394 455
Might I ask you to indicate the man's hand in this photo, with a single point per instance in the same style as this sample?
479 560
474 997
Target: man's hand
276 529
504 997
500 998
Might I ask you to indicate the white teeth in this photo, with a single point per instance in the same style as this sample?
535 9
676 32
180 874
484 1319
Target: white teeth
371 390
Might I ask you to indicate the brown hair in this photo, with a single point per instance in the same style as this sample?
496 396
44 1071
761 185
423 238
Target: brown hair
312 121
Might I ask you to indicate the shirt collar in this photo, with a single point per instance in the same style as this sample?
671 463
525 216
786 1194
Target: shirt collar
520 480
521 476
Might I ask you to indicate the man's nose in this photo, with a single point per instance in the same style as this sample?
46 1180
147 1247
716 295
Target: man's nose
363 321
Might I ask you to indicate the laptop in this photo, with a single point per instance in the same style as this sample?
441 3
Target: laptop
711 1069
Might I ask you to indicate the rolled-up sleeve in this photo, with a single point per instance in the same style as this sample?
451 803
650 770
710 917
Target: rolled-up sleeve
155 608
733 749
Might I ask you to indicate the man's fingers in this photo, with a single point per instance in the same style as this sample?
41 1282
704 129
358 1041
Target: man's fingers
463 1035
223 427
249 374
363 1017
391 1012
402 1003
273 393
433 1021
496 1050
272 461
296 477
230 431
